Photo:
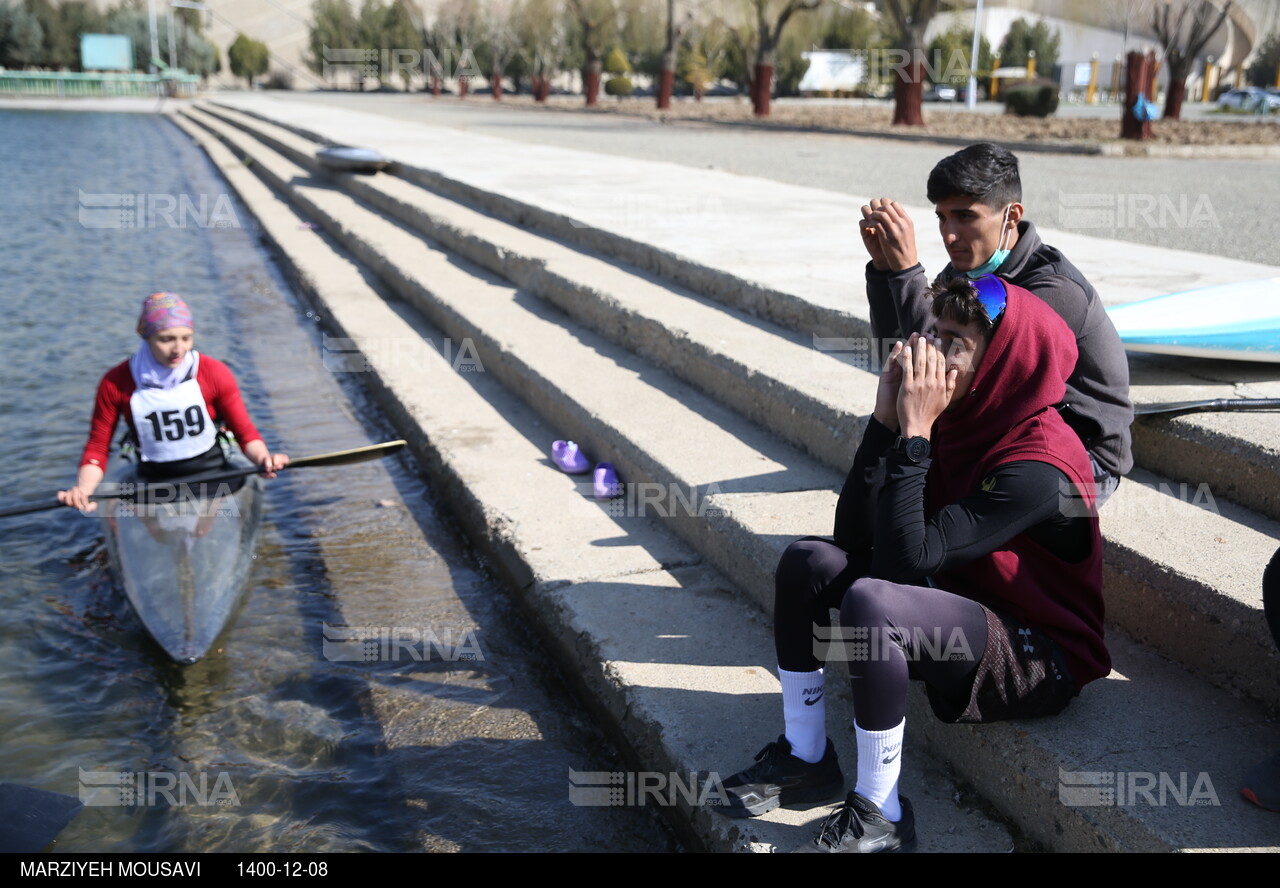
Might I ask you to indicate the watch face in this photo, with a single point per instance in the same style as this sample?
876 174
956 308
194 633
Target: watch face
917 450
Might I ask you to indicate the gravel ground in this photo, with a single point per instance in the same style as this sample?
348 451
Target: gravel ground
946 122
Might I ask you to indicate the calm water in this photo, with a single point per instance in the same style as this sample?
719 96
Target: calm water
318 755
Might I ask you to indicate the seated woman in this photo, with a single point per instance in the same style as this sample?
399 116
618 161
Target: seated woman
171 397
975 566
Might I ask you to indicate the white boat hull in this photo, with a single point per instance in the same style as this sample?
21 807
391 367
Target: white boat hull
183 563
1239 322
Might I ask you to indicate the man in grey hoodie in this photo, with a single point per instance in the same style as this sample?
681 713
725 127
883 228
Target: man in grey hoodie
977 195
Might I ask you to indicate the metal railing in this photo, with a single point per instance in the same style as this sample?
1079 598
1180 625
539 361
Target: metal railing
75 85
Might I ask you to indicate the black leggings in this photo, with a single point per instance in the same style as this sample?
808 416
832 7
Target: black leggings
891 633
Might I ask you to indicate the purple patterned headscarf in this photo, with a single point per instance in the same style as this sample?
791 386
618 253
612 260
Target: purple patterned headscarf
160 311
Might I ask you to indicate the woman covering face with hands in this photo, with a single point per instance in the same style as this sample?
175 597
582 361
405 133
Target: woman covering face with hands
918 384
966 555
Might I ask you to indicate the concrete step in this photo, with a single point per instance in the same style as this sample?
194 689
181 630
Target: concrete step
1201 582
767 494
635 616
814 398
1235 456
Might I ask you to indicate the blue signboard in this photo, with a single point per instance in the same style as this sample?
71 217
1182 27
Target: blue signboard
106 52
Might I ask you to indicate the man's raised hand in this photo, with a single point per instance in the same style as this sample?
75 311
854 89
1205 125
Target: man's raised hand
889 235
871 240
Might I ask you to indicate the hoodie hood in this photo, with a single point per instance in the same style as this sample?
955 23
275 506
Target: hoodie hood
1004 416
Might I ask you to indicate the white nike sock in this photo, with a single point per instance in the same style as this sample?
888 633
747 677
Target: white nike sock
804 711
879 764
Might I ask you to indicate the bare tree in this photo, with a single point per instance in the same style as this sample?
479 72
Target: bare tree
743 40
1183 28
543 42
502 44
592 15
768 36
912 18
457 32
707 44
675 33
1120 15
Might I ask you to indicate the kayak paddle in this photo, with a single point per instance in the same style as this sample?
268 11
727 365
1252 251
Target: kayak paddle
337 458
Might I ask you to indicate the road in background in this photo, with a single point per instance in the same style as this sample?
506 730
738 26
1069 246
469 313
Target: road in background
1216 206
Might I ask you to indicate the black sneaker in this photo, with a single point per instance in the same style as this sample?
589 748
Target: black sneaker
858 827
779 778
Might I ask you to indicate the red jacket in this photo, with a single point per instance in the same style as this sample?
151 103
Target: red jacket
221 398
1008 416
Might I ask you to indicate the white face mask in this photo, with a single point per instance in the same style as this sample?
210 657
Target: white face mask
998 257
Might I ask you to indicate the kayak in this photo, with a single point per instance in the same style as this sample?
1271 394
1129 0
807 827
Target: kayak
1239 322
349 159
182 555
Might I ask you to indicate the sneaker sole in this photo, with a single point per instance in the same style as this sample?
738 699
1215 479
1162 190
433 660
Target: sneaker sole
904 848
787 799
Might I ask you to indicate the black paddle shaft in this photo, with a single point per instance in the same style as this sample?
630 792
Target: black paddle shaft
1216 404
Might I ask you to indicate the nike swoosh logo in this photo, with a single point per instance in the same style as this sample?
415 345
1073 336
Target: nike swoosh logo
808 702
888 759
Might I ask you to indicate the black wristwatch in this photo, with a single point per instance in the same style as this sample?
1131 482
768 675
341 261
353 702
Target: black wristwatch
915 449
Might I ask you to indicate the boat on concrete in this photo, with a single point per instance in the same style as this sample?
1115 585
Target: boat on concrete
351 159
1238 321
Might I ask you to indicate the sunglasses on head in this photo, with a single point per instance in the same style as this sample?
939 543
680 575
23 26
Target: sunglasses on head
992 295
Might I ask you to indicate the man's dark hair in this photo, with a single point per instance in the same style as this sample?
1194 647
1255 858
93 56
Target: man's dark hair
958 300
984 172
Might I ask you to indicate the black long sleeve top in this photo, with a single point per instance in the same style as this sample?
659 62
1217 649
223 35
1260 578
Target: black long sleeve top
884 513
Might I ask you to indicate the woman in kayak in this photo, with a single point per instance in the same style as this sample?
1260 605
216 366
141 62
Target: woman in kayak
171 396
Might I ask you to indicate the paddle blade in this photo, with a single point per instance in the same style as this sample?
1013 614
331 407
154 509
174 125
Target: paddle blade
346 457
33 817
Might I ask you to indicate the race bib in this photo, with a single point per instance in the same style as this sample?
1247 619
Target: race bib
172 424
